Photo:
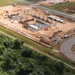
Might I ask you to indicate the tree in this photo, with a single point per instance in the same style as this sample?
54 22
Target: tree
17 44
28 67
26 52
2 48
18 59
6 43
59 67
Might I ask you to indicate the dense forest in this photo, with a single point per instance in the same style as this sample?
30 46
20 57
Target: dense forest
17 59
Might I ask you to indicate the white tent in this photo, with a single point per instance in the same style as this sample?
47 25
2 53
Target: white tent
33 26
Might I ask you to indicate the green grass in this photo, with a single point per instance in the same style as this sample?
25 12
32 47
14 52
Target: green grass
65 5
7 2
30 1
59 6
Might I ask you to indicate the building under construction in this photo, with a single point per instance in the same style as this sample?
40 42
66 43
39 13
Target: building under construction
35 23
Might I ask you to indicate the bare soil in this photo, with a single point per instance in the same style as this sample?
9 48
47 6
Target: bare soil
73 49
23 10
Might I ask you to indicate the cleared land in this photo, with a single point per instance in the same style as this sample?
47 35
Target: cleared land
47 28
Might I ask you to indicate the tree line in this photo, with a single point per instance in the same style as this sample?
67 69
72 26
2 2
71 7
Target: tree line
17 59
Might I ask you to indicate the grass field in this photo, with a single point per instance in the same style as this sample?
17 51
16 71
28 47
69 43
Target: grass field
63 7
7 2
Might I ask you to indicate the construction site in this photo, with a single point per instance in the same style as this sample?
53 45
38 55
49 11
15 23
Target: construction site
36 24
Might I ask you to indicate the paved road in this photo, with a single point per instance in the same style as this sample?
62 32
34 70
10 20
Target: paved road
50 10
66 49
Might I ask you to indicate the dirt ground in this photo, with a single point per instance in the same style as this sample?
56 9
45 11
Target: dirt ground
47 3
71 0
73 49
23 10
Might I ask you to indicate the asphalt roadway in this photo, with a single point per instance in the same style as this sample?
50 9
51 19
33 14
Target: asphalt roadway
66 49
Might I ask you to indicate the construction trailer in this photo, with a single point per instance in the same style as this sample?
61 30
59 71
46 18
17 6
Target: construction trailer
57 1
45 40
34 27
56 18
